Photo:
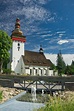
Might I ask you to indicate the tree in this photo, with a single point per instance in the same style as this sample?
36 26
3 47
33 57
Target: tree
68 70
5 45
60 64
53 67
72 68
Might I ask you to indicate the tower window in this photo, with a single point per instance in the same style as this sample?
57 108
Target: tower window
18 46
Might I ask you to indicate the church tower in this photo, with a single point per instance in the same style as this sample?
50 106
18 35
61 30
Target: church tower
17 50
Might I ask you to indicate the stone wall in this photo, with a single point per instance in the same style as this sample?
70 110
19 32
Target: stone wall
8 93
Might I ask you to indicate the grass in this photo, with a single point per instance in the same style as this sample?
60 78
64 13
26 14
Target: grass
39 98
59 104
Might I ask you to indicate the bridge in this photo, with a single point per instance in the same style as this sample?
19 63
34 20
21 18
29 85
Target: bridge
47 83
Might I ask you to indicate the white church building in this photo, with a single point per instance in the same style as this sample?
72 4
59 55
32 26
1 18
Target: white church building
27 62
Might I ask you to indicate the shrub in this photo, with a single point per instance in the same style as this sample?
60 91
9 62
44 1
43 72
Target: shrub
1 95
7 71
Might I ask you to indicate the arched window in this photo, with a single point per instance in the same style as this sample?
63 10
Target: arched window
18 46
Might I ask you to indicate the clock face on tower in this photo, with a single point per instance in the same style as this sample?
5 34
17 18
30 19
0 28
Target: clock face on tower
18 46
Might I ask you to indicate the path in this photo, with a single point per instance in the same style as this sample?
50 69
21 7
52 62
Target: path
14 105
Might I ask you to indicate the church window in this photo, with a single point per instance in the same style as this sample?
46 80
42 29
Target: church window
18 46
26 67
36 71
41 72
30 71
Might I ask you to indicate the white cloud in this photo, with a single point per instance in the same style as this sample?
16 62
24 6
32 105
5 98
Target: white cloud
30 12
43 32
36 48
60 32
65 41
34 1
51 19
60 35
33 13
66 57
46 35
33 10
30 9
36 13
62 42
52 57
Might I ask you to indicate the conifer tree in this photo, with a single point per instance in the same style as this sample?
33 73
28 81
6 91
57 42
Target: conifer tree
72 68
60 64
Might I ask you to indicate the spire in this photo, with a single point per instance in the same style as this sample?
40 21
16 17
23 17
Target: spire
41 49
17 31
17 24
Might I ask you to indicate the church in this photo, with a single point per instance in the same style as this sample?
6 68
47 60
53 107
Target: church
24 61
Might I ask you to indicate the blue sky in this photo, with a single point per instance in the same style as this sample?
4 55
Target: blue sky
49 23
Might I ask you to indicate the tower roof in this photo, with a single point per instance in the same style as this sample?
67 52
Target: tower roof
17 34
17 31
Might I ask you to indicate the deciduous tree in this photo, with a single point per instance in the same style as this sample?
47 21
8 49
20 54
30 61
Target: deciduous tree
5 45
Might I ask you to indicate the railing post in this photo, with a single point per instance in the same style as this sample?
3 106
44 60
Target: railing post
24 83
36 85
62 83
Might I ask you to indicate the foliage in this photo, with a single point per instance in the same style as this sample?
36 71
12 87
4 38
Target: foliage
53 67
7 71
70 69
1 95
5 45
58 104
60 64
5 63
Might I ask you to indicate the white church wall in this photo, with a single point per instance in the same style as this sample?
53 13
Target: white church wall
27 71
56 73
16 54
18 67
38 70
23 66
50 73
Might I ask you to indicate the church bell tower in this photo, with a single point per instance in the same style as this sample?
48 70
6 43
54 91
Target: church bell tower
17 50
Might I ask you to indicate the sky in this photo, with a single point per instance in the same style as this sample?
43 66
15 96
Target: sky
49 23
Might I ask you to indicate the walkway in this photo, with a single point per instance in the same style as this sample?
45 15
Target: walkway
14 105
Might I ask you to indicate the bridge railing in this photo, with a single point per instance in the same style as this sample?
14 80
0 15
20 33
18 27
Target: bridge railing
49 82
